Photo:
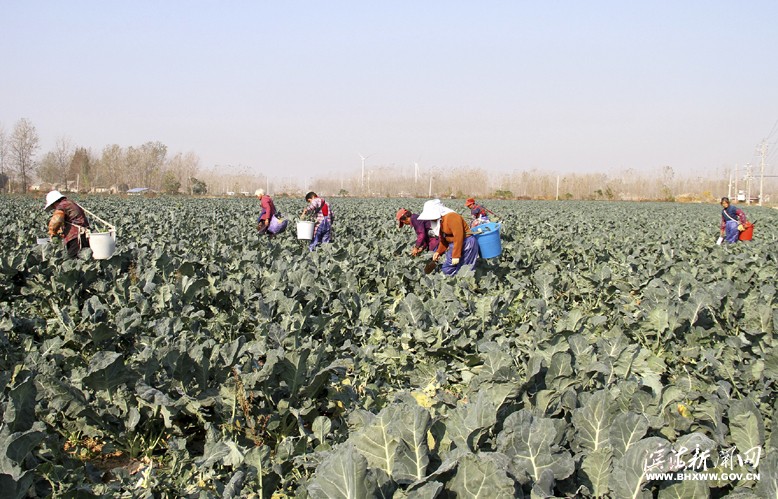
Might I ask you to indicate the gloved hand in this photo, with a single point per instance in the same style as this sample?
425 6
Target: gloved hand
740 227
415 251
435 256
455 261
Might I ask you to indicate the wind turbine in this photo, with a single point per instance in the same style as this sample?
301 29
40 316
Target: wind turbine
363 167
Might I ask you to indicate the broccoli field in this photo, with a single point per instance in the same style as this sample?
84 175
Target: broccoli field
613 350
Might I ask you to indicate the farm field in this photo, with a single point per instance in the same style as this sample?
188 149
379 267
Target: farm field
609 341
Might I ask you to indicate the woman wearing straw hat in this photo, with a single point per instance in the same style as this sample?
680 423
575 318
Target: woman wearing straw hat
425 239
68 221
456 241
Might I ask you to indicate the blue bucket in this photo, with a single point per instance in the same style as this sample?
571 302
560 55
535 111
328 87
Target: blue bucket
488 236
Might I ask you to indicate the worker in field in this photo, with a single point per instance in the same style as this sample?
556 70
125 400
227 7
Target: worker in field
479 213
455 240
322 229
425 239
733 221
270 221
68 221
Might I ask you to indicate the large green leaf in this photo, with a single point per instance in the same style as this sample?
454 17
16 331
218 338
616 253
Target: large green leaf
467 422
20 410
107 371
596 471
412 312
377 442
411 423
429 490
593 422
767 487
16 447
629 473
745 425
529 442
482 476
342 475
627 429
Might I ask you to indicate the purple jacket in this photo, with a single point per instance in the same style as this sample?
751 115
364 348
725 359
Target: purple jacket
424 237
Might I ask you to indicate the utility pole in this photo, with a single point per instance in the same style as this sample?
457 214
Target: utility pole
430 193
729 189
761 168
557 187
748 183
737 192
363 168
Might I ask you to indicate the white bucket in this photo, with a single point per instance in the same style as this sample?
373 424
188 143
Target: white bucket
103 244
304 229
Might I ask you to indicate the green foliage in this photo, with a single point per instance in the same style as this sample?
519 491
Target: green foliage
208 361
170 183
199 188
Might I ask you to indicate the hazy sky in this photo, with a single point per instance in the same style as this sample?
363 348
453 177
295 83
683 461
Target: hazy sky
303 87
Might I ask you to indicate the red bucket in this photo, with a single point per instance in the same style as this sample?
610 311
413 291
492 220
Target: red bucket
748 232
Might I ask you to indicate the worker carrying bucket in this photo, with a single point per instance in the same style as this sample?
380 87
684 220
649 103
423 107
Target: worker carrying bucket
478 212
69 221
456 243
734 226
270 221
321 232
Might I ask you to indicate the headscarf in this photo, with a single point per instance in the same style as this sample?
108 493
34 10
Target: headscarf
434 211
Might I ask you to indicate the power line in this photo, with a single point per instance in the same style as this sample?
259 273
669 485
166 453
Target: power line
772 130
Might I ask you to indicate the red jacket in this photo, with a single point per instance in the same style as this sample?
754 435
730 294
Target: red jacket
268 208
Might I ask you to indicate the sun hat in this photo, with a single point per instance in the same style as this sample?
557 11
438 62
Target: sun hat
469 201
259 192
433 210
51 198
402 212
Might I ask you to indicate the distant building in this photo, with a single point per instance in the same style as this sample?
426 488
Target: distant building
137 191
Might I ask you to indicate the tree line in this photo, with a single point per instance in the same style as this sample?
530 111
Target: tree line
117 169
113 169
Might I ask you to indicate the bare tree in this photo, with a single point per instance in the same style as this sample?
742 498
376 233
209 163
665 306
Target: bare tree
184 167
4 180
55 165
152 160
63 153
113 165
22 147
47 169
